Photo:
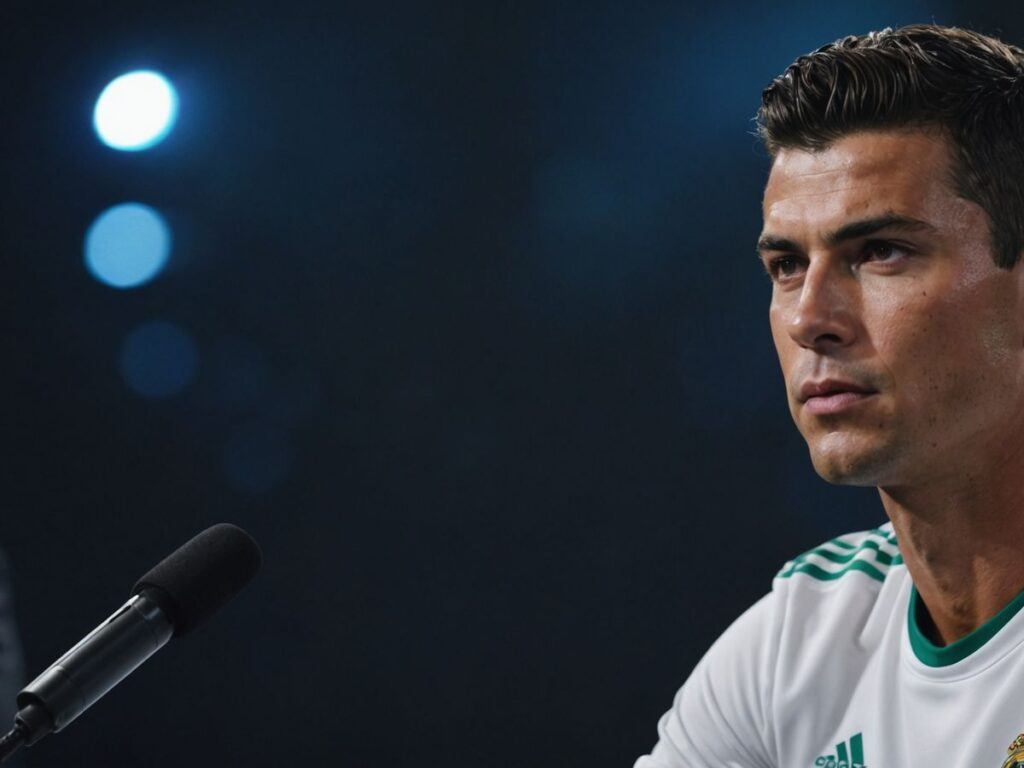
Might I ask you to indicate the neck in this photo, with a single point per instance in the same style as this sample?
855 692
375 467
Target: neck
960 538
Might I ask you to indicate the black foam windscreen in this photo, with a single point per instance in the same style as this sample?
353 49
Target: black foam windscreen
197 579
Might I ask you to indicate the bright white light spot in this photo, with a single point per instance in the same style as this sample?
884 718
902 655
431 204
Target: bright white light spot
135 111
127 245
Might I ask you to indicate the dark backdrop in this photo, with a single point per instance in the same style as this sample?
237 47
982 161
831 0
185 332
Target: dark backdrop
484 365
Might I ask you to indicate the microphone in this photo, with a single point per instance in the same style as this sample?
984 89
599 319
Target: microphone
180 593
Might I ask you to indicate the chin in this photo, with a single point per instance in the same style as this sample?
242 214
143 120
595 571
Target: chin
859 479
852 465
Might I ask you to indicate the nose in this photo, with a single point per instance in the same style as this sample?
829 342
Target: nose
824 313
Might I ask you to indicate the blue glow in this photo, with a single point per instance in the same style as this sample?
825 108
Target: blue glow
135 111
158 360
577 195
127 245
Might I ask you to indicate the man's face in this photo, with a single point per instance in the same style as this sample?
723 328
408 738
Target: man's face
919 313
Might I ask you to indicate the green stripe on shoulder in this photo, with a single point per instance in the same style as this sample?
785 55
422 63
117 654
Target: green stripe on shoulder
871 552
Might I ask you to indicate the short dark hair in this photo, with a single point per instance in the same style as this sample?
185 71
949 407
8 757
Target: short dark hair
963 84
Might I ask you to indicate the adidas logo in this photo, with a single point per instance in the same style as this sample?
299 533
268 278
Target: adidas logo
851 756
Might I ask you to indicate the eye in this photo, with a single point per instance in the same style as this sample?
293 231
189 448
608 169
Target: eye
880 251
780 266
888 252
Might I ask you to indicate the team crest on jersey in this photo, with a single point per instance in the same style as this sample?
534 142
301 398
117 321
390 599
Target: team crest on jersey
1015 753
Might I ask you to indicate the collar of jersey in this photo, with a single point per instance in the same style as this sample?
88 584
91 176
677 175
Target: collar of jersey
942 656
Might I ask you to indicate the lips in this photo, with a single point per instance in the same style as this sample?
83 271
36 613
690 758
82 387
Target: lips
831 387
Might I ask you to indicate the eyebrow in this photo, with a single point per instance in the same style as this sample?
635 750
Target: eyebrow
851 231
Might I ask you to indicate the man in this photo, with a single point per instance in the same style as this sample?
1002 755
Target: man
893 232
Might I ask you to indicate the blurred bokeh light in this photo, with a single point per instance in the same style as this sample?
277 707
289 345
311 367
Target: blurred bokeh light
158 360
127 245
135 111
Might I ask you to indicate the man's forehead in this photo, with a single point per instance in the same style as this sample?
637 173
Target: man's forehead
902 170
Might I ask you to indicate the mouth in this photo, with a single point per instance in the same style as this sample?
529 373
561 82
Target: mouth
833 395
836 401
830 387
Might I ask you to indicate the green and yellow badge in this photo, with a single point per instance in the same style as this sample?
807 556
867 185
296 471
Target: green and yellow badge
1016 753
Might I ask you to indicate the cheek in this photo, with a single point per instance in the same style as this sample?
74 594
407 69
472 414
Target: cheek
783 343
940 359
1001 343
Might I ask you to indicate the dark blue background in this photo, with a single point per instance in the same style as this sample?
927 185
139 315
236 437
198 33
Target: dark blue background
484 364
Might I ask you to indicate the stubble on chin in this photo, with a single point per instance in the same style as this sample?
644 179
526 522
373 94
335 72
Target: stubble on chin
857 460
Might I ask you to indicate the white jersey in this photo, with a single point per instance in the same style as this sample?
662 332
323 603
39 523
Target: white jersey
830 670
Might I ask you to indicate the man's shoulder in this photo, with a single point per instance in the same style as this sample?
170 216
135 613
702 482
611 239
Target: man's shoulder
834 609
846 587
861 558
